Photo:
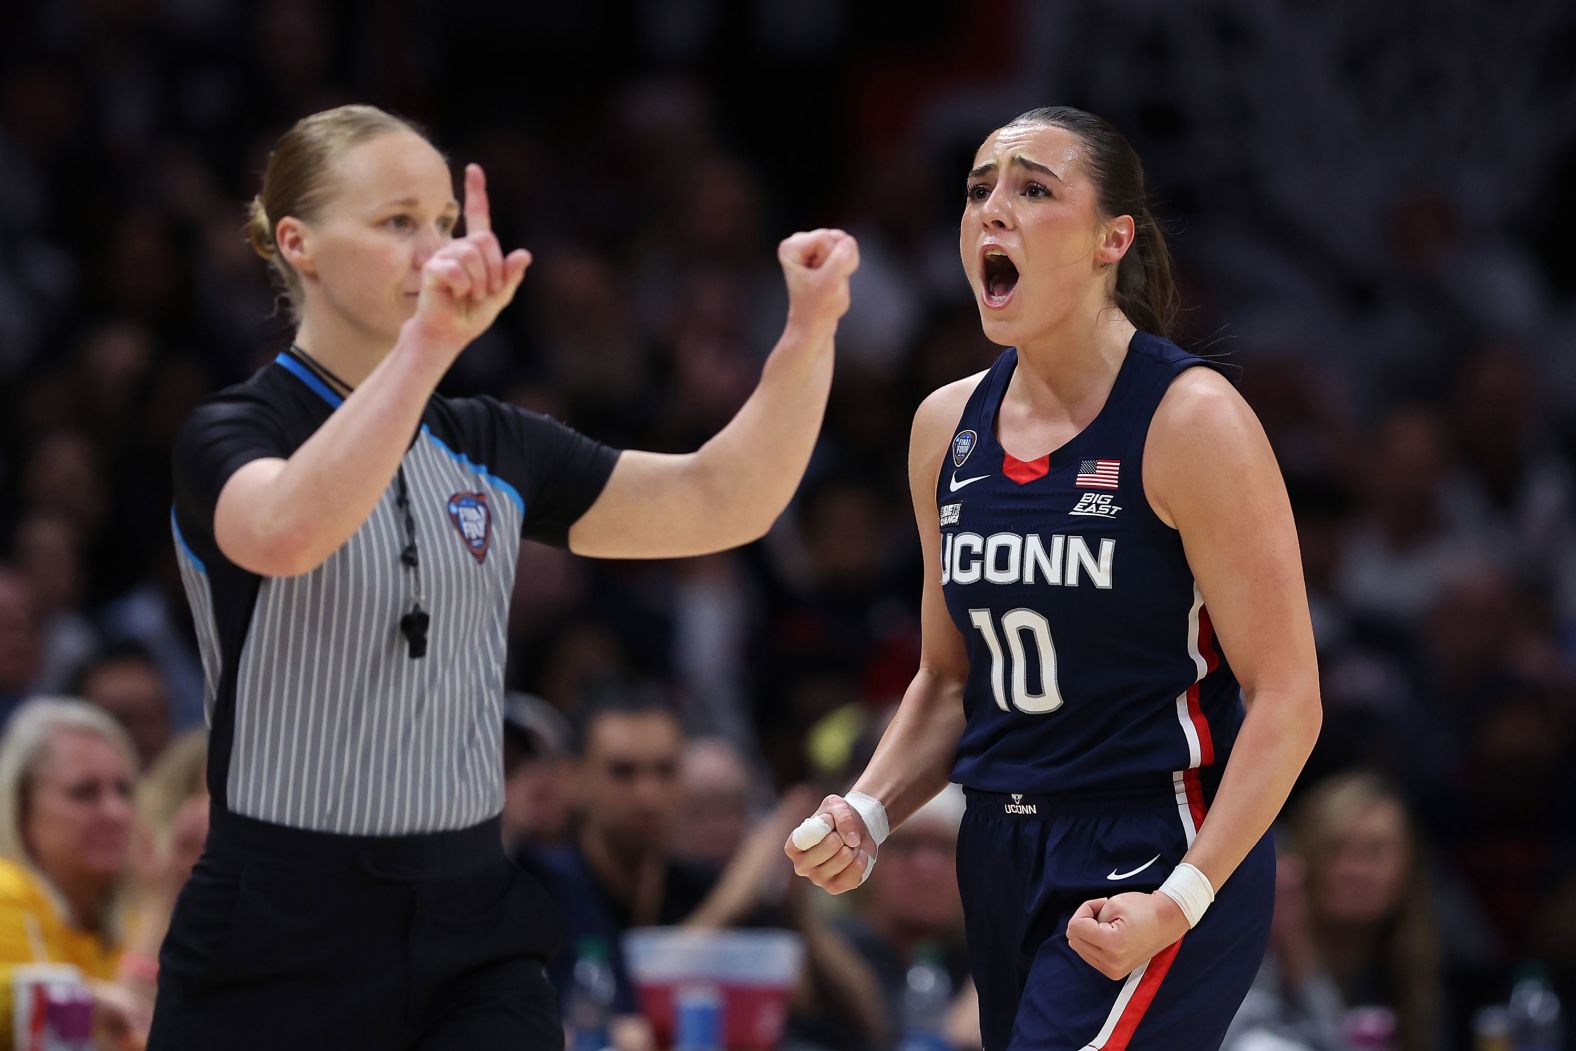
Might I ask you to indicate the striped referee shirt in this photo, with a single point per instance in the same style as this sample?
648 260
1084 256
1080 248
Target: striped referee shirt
320 718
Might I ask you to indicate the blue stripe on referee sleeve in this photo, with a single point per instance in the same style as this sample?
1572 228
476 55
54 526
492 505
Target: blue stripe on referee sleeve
508 490
181 540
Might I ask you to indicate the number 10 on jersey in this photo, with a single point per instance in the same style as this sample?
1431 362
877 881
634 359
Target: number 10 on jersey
1013 664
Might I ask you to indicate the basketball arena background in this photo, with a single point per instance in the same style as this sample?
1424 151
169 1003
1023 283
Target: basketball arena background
1370 207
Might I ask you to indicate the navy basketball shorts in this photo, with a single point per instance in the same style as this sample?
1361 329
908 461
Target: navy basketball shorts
1025 864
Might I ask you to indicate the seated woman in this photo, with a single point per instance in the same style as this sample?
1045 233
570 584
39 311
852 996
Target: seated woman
67 771
1355 928
172 810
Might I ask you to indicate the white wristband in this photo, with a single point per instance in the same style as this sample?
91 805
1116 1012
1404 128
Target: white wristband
1190 889
871 811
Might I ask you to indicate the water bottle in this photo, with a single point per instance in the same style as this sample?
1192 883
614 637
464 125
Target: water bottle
697 1011
1535 1023
926 1000
591 992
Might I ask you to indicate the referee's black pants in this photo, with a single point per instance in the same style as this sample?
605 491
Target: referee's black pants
288 940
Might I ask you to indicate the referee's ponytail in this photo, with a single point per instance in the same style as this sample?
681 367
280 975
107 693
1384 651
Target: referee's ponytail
296 181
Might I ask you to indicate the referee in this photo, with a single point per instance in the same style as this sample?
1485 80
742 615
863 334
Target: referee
347 541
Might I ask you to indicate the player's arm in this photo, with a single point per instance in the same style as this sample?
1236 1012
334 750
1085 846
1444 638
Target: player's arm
731 490
1210 473
914 759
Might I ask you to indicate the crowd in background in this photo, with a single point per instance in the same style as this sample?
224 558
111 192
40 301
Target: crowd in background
1367 208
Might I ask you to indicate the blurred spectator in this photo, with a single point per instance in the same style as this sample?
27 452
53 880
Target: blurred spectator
1293 1004
19 641
48 552
172 814
1510 493
124 681
1322 507
1382 246
536 774
66 822
615 873
715 611
154 615
912 902
1355 926
835 619
720 792
64 473
1506 823
620 871
172 803
599 361
1401 552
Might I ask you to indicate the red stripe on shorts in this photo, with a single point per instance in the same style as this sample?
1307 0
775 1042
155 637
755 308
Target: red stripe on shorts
1148 986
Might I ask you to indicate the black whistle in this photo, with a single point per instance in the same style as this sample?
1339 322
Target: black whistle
413 626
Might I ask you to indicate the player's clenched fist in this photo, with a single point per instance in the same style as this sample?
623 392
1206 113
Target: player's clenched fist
833 849
817 266
468 281
1115 935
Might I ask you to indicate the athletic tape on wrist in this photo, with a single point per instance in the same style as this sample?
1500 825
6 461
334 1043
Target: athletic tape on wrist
1191 890
869 808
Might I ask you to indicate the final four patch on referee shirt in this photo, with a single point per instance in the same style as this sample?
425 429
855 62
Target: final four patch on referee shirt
471 516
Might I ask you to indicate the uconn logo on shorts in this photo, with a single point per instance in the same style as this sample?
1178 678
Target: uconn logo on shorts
1018 806
473 519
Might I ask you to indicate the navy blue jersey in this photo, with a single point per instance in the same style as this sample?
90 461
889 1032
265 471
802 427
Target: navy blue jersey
1092 665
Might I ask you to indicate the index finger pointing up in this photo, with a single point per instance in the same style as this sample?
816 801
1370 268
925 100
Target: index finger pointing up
478 216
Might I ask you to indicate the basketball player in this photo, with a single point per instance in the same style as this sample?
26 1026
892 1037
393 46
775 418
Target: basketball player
1117 662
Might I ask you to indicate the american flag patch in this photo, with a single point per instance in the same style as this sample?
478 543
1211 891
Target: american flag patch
1098 474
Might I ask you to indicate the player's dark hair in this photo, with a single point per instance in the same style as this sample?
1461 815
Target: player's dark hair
1145 289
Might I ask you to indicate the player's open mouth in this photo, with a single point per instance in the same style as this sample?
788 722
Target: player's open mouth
999 278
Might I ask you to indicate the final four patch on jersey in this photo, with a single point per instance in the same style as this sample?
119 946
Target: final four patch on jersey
962 445
472 517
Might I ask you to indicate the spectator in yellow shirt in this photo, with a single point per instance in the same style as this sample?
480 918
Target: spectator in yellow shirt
67 771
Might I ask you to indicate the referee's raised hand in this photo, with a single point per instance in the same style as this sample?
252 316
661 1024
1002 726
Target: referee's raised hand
467 282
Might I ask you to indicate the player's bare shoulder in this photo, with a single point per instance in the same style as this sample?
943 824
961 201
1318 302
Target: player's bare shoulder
930 439
1199 398
1203 433
936 417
